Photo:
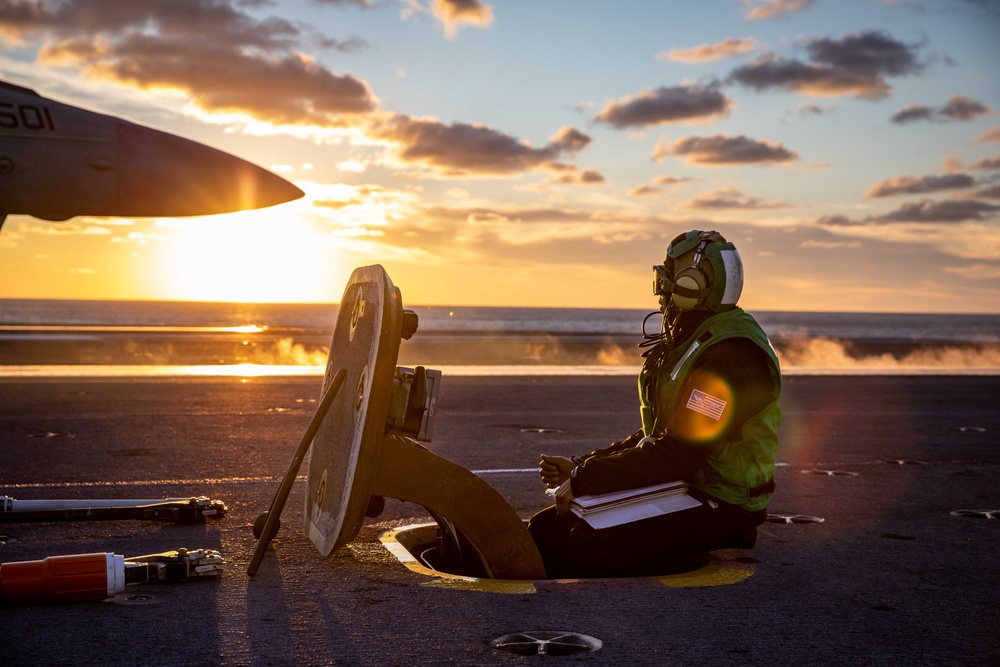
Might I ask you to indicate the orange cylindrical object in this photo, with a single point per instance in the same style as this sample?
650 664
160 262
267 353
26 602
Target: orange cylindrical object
56 579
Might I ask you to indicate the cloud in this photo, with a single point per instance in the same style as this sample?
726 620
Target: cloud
992 192
676 104
957 108
487 216
985 164
569 176
763 10
462 149
581 177
853 65
991 135
644 190
359 3
453 14
359 214
68 229
338 205
662 179
927 211
963 108
910 185
213 19
976 271
140 238
660 151
586 235
728 198
661 183
352 166
215 54
807 109
867 51
723 150
528 227
913 112
728 48
982 164
830 245
352 44
300 91
456 14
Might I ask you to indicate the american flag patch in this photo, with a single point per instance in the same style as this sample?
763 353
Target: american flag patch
706 404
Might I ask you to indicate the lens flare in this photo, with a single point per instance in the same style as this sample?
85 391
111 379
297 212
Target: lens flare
708 408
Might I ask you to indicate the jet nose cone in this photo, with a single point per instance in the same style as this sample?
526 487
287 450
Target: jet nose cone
272 189
227 183
165 175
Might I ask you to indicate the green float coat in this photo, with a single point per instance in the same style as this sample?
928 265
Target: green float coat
734 467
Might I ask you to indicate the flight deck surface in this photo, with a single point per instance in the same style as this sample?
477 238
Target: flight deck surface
890 576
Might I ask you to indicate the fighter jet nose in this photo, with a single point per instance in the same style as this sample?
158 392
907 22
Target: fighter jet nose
161 174
226 183
105 166
275 190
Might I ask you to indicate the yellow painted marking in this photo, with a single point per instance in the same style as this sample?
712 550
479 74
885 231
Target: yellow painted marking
721 570
485 585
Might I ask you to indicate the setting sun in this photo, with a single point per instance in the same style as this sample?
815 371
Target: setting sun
251 256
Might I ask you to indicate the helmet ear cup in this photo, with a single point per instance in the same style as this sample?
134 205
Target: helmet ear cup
701 271
691 279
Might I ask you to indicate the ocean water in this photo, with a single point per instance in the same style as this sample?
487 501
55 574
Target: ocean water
91 337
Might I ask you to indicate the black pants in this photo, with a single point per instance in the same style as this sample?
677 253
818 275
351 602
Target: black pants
570 548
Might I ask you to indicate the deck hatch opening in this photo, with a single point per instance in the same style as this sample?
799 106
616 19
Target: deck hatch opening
417 547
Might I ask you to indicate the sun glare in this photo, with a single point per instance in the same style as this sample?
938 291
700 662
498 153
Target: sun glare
251 256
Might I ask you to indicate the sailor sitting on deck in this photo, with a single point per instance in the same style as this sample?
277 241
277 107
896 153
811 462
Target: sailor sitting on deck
708 394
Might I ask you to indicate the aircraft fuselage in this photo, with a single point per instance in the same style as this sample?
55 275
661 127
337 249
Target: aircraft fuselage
58 161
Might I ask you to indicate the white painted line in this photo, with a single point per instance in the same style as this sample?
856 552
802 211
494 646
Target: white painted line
263 479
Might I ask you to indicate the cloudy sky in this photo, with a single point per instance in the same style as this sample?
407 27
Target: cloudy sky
538 153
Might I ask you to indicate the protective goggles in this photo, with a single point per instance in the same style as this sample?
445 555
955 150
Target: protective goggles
662 280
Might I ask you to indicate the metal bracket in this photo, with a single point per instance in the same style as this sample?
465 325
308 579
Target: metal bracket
414 402
178 565
476 508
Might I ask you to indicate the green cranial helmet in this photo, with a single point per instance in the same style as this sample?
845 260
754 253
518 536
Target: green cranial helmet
702 271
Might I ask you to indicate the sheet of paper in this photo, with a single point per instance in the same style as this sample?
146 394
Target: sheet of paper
636 512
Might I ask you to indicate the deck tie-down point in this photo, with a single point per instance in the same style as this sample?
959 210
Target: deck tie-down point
794 518
977 514
547 642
